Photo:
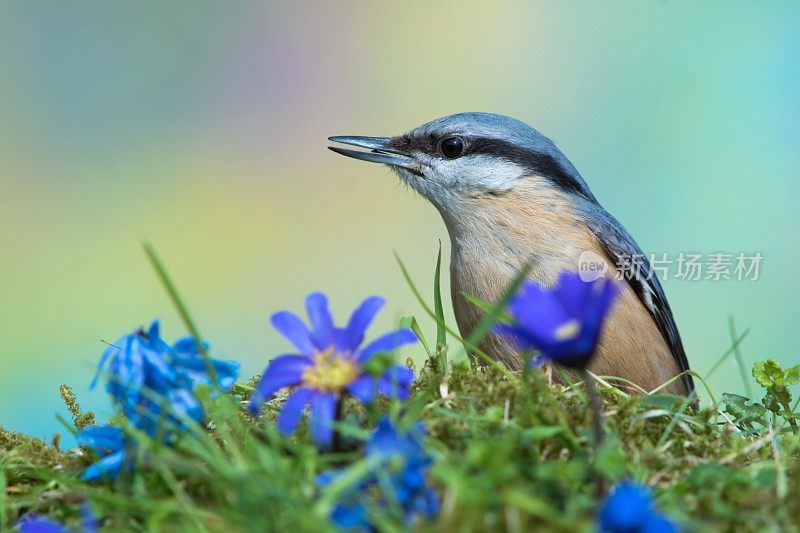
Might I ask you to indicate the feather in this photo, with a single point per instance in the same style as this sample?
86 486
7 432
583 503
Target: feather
636 269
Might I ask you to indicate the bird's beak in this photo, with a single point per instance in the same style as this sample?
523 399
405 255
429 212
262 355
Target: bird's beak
381 151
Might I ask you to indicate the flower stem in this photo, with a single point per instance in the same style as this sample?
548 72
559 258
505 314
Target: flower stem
595 405
597 423
336 445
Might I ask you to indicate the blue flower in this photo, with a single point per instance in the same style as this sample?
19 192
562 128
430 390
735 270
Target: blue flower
629 509
38 524
406 463
399 468
145 374
564 322
186 358
329 364
350 512
110 444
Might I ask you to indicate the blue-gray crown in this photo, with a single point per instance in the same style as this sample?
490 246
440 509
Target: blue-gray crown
500 136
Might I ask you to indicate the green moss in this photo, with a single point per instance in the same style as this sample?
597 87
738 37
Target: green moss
512 453
79 418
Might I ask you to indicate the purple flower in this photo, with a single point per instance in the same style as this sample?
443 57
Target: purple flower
145 374
329 364
564 322
629 509
397 479
111 446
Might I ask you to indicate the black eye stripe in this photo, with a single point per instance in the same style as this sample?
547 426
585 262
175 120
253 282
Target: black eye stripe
542 164
407 143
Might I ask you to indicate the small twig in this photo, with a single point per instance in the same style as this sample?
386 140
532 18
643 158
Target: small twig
750 448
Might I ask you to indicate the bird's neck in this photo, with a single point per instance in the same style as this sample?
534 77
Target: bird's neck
493 236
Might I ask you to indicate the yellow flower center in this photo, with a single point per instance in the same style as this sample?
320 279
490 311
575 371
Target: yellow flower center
331 372
568 331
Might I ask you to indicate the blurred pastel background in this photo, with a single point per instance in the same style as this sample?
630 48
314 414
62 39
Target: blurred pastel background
201 127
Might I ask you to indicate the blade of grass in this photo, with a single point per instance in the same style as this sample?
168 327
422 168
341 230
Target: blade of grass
182 498
182 309
441 333
728 352
492 315
488 360
63 421
740 359
486 306
410 322
693 395
3 484
345 481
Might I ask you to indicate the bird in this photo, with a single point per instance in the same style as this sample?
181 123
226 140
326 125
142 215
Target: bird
510 199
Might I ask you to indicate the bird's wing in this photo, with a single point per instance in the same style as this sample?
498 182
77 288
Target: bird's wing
636 269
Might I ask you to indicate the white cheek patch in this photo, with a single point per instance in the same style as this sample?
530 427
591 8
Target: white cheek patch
476 173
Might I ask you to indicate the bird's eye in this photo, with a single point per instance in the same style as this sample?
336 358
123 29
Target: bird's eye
452 147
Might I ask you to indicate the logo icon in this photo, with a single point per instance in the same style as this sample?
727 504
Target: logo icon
591 266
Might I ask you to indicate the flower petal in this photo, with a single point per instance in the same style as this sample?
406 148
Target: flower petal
282 372
292 410
396 382
89 520
573 293
329 476
108 467
109 352
194 367
657 523
159 373
290 326
364 388
126 370
514 334
185 406
323 410
188 345
353 334
227 372
603 298
154 332
537 311
321 320
40 524
102 439
626 508
351 516
387 343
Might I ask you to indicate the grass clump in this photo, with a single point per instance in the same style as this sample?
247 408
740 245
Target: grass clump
509 452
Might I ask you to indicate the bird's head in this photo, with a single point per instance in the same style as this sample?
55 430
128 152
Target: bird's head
457 159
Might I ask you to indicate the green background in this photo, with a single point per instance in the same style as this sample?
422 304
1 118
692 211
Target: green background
201 127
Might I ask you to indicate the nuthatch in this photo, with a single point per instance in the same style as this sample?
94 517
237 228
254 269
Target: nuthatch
510 198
